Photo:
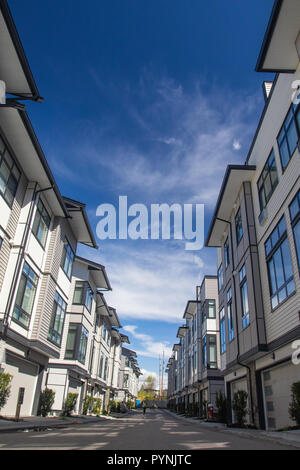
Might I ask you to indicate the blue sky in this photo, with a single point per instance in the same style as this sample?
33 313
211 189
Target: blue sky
151 99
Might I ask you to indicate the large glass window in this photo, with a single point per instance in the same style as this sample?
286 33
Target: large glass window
209 352
238 226
76 342
281 279
41 223
226 253
220 278
25 296
211 306
230 315
83 294
295 219
9 174
67 259
57 321
222 330
244 297
289 136
101 362
268 181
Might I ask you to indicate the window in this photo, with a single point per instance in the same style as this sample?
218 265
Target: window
41 223
288 136
211 306
25 296
67 259
244 297
9 175
226 253
125 380
295 219
104 332
267 182
281 279
101 364
222 331
1 241
57 321
230 315
105 373
220 277
209 352
76 342
83 294
238 226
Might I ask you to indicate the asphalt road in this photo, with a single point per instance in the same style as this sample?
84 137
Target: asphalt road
157 430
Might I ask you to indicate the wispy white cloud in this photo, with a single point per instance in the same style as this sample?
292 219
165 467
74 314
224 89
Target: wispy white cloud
150 347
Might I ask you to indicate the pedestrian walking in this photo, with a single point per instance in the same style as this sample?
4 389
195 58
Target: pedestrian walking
144 408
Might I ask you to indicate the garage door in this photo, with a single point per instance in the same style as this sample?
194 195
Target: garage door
277 384
24 375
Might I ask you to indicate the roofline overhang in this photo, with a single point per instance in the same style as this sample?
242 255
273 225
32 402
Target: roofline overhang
13 32
96 266
230 168
181 335
79 206
275 13
188 315
39 151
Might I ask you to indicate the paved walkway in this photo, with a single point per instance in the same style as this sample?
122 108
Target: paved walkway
157 430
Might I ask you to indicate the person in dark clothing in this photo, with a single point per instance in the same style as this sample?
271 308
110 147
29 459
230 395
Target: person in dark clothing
144 407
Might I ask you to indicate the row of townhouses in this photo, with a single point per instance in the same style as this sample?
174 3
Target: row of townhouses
56 329
250 335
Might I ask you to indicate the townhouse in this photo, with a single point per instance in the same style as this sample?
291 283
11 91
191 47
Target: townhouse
256 231
194 375
56 329
129 374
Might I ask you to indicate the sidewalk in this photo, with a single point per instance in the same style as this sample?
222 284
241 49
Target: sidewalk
280 437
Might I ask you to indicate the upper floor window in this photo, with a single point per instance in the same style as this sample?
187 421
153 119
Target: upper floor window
76 342
268 181
238 226
278 257
83 294
289 135
58 319
41 223
211 306
222 331
1 241
244 297
209 352
220 278
295 219
226 253
230 315
9 174
67 259
25 296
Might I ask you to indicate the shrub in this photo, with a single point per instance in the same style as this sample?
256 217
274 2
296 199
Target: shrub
70 404
5 380
97 406
239 406
88 404
112 406
46 402
294 407
221 404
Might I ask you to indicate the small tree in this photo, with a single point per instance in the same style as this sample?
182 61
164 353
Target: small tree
221 404
88 404
294 407
5 380
239 406
97 406
46 402
70 404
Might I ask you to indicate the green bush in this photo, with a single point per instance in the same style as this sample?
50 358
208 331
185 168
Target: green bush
113 406
5 380
88 405
239 406
46 402
97 406
221 405
294 407
70 404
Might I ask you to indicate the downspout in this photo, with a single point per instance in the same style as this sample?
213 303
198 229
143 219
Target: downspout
236 320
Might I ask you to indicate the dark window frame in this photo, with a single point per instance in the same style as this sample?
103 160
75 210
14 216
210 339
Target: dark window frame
80 331
55 336
66 253
227 253
262 180
295 220
294 110
13 166
39 214
243 283
220 272
239 226
85 289
21 310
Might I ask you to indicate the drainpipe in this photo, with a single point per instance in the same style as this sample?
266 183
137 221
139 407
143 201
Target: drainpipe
236 320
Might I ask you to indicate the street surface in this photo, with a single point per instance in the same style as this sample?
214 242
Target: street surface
157 430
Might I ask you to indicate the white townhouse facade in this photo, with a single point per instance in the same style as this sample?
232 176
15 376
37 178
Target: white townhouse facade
56 329
129 373
193 370
256 229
